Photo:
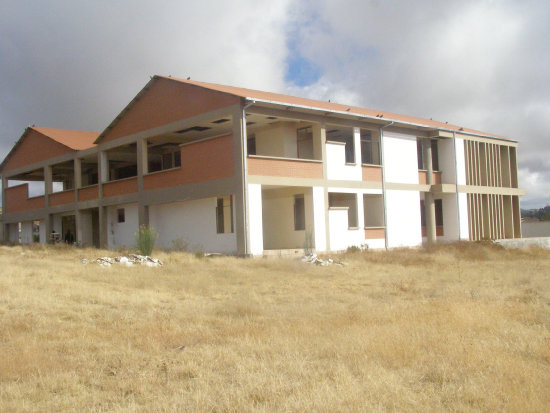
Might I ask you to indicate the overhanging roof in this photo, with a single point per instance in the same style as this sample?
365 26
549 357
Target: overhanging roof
72 139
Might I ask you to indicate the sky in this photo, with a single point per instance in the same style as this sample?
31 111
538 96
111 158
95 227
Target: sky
481 64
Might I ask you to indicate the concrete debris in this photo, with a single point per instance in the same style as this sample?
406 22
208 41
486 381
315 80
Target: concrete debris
128 261
315 260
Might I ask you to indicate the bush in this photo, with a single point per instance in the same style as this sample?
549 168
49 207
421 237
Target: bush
145 239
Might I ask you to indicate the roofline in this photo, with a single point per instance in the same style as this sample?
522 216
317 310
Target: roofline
394 121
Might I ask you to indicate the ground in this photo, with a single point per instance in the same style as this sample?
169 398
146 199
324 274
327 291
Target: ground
464 327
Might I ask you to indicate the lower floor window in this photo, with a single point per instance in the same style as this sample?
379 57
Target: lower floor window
299 213
224 214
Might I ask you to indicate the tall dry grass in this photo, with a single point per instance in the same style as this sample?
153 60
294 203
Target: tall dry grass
464 327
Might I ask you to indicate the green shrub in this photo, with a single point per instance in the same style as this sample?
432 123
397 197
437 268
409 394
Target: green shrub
145 239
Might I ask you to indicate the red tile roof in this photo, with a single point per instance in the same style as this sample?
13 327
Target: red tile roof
328 106
74 139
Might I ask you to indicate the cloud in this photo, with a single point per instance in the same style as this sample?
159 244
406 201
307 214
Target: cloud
75 65
481 64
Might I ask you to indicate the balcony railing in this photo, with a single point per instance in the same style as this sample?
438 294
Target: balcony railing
284 167
120 187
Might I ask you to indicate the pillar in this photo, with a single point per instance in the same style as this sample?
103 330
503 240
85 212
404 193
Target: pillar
429 204
48 184
4 229
239 166
103 227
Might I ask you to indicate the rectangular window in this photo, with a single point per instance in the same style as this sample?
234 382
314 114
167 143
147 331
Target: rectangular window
224 214
435 156
438 212
370 149
251 145
177 159
299 213
344 135
420 154
120 215
304 140
167 160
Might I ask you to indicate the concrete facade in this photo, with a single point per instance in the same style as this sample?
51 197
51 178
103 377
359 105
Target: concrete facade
223 169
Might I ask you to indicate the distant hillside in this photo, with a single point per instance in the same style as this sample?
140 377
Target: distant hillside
542 214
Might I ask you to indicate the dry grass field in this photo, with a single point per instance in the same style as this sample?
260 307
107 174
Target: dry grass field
464 327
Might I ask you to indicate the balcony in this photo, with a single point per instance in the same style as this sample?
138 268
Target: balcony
423 177
88 193
284 167
63 197
17 199
120 187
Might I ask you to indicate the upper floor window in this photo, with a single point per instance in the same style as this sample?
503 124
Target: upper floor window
344 135
370 148
435 155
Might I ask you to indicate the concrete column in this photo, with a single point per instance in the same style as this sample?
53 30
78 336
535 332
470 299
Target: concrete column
48 222
4 234
357 146
77 173
142 162
78 227
103 166
48 184
429 204
103 227
239 166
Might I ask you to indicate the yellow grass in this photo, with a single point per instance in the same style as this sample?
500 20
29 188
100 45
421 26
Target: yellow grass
460 328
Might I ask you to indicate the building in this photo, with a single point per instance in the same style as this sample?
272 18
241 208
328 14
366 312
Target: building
233 170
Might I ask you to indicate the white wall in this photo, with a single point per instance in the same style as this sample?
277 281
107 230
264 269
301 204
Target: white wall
375 244
193 222
26 232
336 163
463 208
319 223
460 161
341 237
403 213
278 140
400 157
122 234
450 218
255 226
446 151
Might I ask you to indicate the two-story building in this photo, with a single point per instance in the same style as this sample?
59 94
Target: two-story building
232 170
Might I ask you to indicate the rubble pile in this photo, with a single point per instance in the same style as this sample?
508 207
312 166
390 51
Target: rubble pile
127 260
312 258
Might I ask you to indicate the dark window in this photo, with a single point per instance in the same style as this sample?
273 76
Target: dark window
370 149
345 136
251 145
438 212
435 156
167 160
224 215
299 213
120 215
420 154
177 159
438 203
